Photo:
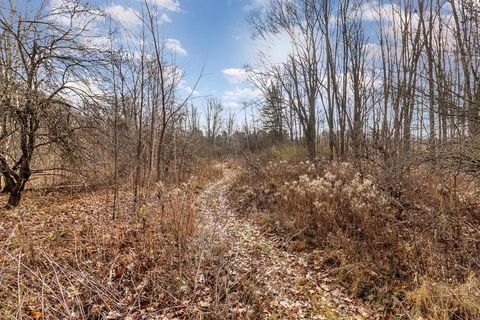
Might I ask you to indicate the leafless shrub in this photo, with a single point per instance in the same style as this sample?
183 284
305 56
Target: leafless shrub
379 245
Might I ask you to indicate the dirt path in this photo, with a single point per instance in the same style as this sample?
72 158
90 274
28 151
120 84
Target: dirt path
274 283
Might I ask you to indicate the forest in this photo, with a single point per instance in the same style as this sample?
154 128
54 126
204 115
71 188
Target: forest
344 184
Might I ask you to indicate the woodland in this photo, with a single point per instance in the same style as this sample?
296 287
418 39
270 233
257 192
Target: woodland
347 189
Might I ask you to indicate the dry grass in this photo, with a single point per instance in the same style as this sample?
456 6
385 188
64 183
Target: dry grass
62 257
444 302
384 247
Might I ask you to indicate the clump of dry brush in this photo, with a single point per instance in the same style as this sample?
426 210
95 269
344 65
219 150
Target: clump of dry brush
415 251
62 257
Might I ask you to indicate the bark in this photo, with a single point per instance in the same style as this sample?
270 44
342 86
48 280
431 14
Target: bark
15 182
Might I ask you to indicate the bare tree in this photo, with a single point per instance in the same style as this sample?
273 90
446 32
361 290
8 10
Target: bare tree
213 118
300 74
44 58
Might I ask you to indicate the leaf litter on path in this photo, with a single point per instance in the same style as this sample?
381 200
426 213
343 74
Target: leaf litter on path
274 283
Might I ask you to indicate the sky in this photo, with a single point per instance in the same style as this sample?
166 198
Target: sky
212 35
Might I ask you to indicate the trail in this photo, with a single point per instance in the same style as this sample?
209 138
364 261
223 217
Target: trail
274 283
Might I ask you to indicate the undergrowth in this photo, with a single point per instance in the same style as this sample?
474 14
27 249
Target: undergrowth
414 252
63 257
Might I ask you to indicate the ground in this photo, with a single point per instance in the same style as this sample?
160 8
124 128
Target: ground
282 285
61 256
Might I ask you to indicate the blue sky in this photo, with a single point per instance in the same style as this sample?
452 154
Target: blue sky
209 34
215 35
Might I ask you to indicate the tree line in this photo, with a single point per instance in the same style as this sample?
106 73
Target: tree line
394 82
373 79
83 98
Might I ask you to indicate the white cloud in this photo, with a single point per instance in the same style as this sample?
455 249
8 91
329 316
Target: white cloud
99 42
187 89
61 11
170 5
373 50
256 4
175 46
129 17
165 18
373 11
126 16
232 105
276 48
234 99
235 75
85 22
240 94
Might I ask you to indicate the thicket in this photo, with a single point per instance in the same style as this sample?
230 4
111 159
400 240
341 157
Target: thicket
413 252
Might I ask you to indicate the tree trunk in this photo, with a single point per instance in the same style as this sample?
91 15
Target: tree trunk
310 137
14 199
14 182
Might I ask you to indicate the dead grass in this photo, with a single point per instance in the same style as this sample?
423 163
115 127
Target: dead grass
62 257
443 302
383 246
